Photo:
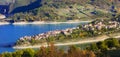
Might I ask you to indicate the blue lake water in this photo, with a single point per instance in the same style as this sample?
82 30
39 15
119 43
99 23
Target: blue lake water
10 33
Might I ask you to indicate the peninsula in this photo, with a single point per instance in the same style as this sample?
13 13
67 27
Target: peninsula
60 37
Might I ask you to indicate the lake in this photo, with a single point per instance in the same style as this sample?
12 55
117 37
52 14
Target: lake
9 34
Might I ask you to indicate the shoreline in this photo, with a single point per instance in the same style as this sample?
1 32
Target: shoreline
4 23
50 22
41 22
91 40
79 41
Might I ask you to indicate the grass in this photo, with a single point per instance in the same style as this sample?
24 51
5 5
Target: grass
81 46
67 12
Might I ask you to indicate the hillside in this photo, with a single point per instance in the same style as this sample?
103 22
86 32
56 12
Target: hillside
22 6
13 4
62 10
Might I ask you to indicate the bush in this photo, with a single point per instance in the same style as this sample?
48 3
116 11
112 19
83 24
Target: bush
112 42
94 47
17 53
7 54
28 53
102 46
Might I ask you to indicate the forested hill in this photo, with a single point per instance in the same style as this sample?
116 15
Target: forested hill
61 9
13 4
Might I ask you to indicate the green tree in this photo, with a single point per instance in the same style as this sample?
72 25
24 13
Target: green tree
33 41
28 53
17 53
112 42
7 54
102 46
94 47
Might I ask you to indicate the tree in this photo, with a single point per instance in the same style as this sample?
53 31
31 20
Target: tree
42 52
74 52
6 54
0 55
102 46
33 41
17 53
94 47
91 54
112 42
28 53
52 51
115 42
61 53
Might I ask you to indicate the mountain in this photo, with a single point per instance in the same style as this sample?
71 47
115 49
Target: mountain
4 6
4 9
7 6
15 5
29 6
53 10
